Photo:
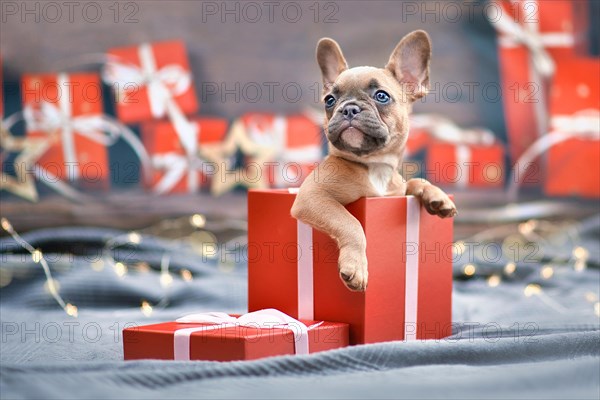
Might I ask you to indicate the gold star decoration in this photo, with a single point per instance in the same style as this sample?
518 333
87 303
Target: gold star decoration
226 180
238 139
31 149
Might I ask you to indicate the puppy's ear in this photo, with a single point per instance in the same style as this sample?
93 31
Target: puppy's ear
409 63
331 60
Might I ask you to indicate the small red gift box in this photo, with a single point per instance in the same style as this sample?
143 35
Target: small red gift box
288 148
174 170
294 268
150 80
462 165
220 337
66 109
573 165
557 27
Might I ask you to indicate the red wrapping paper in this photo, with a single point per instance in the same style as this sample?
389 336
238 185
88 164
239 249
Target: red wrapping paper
83 95
573 166
160 137
134 105
378 314
524 91
474 166
228 343
300 149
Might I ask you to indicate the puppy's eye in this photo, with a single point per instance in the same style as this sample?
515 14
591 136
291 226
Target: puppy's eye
382 97
329 101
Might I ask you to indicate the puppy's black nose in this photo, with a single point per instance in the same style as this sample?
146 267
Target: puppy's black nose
350 111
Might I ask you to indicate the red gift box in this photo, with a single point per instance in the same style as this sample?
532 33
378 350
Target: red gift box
289 147
294 268
235 340
562 24
462 165
174 170
573 165
78 152
150 80
557 27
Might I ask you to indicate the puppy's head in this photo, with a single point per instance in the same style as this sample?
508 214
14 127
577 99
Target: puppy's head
367 108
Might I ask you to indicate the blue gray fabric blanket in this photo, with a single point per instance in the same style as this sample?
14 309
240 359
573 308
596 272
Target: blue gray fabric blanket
506 344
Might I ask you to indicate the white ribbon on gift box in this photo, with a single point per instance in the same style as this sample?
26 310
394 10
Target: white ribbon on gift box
462 153
411 295
263 319
306 267
528 35
99 128
445 130
163 85
275 137
176 166
582 125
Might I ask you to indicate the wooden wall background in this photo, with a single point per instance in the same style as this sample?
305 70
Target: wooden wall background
281 51
244 52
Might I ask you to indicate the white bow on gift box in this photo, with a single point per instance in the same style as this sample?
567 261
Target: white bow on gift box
176 166
163 85
528 34
50 119
263 319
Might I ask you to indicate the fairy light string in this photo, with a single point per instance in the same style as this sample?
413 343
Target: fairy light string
515 240
38 257
198 235
193 231
532 232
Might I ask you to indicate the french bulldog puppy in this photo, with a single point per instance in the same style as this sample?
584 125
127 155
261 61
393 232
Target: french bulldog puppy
366 125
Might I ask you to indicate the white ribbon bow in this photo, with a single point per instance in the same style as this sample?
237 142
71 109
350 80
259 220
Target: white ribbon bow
528 35
99 128
49 118
170 80
444 130
163 84
267 318
176 166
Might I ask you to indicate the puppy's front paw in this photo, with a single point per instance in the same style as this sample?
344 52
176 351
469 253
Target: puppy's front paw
436 202
352 265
